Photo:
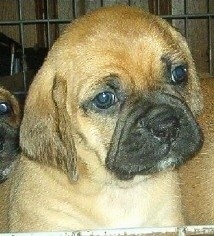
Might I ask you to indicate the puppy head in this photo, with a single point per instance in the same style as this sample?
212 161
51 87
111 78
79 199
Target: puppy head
115 98
9 132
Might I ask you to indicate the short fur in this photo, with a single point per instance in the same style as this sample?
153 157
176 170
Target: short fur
197 178
72 175
9 146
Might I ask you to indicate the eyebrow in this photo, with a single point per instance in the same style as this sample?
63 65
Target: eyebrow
167 60
172 59
113 81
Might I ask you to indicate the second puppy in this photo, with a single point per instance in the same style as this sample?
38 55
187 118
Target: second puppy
9 132
9 148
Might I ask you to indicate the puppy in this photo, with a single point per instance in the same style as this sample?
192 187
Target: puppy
9 132
197 179
9 145
108 117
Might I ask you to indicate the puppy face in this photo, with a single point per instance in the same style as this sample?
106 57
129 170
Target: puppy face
115 98
9 132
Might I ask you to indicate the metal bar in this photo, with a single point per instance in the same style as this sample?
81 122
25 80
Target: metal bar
189 16
181 231
209 40
185 19
48 25
208 6
74 9
21 33
12 59
210 46
158 7
19 93
40 21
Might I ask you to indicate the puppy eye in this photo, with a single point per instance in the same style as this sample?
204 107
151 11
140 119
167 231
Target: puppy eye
179 75
5 108
104 100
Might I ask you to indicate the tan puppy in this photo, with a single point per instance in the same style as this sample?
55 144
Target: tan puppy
9 132
9 144
108 117
197 176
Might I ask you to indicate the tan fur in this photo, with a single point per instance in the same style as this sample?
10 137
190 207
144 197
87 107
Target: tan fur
61 182
197 176
13 121
4 199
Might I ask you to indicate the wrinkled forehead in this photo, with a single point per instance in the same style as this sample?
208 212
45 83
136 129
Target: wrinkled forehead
139 58
132 47
125 57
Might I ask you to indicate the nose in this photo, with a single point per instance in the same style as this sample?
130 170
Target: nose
163 123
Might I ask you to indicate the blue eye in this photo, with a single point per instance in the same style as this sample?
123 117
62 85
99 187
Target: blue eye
179 75
104 100
4 108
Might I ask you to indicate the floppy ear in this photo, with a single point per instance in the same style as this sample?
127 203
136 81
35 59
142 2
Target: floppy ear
46 134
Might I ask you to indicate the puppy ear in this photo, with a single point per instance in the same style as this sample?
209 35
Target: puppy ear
68 155
46 134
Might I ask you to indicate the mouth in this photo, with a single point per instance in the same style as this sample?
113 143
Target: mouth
152 135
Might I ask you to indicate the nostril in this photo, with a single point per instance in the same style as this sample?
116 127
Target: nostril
167 123
164 126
